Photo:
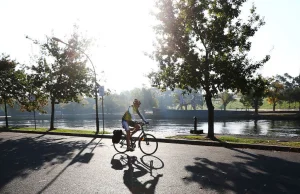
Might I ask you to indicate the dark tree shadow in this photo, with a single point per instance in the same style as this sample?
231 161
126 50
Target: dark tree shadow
22 154
136 169
252 173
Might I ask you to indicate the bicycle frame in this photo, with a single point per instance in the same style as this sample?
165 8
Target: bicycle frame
133 140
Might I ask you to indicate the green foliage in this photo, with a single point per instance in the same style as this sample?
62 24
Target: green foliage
256 91
235 105
113 103
147 98
204 44
13 85
291 92
11 81
226 98
164 99
232 139
117 103
275 92
61 72
67 78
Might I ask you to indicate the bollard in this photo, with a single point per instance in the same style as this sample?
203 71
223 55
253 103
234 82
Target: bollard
195 124
195 131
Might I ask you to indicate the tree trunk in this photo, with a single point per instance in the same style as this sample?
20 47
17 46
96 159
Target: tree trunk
256 106
52 114
274 105
255 125
210 108
224 107
256 110
5 109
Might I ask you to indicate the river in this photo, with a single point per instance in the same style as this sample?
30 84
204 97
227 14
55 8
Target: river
164 128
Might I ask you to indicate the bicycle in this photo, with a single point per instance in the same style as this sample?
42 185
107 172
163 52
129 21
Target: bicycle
147 142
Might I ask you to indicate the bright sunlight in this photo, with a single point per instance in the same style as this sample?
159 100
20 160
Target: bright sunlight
123 32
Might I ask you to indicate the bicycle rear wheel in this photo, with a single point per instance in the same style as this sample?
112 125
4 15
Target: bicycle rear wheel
122 145
148 144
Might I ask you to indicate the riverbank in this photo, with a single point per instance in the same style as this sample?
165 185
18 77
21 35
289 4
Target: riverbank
201 115
253 142
225 115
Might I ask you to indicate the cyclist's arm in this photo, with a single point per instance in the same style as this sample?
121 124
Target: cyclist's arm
142 117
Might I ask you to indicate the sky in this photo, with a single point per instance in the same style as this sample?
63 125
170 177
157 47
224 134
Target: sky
123 32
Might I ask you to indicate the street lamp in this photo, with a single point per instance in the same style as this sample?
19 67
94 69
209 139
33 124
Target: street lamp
96 92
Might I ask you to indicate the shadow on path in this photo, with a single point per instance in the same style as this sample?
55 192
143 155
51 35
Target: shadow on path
135 176
21 155
250 173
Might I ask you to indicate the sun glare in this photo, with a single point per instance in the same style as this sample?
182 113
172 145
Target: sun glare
123 32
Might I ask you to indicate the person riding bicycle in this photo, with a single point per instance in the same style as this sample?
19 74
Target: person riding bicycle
128 120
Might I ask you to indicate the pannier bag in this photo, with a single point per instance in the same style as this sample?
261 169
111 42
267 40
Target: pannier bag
116 136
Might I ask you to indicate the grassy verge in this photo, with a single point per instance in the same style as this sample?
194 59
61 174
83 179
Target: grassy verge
57 130
231 139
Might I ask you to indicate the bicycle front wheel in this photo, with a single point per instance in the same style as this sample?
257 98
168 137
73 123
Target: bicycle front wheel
122 145
148 144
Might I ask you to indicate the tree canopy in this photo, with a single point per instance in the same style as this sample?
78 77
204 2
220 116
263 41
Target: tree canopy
204 44
226 97
256 91
62 72
12 83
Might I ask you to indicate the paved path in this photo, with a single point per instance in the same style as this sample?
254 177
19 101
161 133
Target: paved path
33 163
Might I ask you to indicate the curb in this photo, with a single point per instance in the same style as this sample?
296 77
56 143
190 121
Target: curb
180 141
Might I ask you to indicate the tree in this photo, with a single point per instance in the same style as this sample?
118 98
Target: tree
35 98
74 107
11 83
147 99
111 103
296 96
246 100
62 72
296 90
204 44
226 98
289 86
256 91
275 92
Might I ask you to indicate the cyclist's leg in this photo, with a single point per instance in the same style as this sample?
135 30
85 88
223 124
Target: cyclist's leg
126 127
136 128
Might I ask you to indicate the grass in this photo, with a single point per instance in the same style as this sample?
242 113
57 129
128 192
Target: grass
57 130
232 139
221 138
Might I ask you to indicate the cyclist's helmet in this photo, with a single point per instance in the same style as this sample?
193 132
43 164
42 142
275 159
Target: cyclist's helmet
136 102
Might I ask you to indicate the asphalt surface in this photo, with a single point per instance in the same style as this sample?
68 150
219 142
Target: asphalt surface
39 163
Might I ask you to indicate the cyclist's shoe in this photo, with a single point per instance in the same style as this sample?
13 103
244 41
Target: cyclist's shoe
130 149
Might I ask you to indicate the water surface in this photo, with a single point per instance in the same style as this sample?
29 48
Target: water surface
163 128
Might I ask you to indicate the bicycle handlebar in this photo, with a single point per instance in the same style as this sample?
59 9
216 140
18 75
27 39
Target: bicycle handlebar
142 123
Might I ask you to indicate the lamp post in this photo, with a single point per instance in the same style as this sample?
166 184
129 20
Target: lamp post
96 92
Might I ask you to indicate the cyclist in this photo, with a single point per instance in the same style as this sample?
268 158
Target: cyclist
128 120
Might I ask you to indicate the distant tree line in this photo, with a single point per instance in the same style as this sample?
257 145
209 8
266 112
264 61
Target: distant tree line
265 90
